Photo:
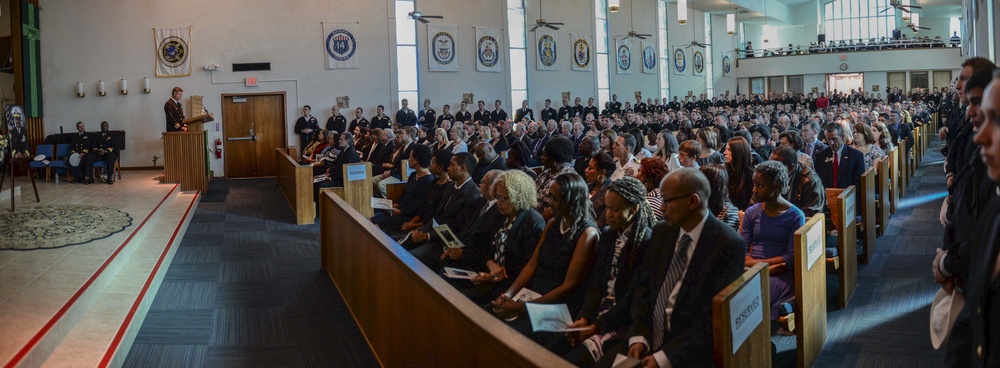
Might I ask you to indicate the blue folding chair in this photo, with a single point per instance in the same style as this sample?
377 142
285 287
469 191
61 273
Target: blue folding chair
58 164
43 149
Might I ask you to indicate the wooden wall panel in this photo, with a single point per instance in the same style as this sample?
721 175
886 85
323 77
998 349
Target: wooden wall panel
409 315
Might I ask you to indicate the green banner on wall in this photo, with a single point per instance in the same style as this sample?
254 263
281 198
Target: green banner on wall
31 60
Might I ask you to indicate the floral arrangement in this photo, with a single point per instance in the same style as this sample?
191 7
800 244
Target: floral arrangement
4 147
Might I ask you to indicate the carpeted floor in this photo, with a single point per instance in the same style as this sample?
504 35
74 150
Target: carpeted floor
245 290
886 323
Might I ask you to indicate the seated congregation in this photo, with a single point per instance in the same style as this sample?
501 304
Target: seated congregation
632 220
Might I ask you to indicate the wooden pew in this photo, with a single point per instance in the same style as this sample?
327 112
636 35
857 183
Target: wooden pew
903 169
894 189
740 315
395 190
408 314
866 200
842 203
810 290
296 183
357 190
882 189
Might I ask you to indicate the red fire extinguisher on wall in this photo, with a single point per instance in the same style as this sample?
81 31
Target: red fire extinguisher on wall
218 148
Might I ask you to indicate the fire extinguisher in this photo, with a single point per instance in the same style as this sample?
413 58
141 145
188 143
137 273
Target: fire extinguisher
218 148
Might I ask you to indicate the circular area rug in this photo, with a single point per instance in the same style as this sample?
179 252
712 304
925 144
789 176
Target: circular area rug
55 226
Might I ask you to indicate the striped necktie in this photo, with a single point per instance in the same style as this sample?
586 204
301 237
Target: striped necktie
836 169
677 266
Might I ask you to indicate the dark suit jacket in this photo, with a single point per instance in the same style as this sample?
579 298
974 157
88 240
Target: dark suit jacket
174 114
349 156
717 261
806 191
382 154
982 302
817 146
457 208
397 170
522 238
484 167
618 315
852 166
477 237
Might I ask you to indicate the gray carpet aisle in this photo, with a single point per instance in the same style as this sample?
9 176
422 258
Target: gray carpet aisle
886 323
245 290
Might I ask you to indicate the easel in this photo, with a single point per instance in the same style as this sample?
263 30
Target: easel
10 169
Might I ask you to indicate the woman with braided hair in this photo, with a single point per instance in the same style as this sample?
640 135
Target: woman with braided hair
605 312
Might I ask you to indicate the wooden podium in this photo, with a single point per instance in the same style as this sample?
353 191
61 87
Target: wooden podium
184 155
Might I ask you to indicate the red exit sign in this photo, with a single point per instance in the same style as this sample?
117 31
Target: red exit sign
251 81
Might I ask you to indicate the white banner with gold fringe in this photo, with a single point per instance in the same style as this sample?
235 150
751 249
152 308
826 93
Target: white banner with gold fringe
173 51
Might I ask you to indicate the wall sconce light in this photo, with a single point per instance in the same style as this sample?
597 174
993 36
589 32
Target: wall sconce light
123 86
613 5
79 89
682 12
145 85
101 90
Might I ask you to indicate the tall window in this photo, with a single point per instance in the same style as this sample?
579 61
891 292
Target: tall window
709 78
601 39
858 19
661 20
954 27
406 53
518 53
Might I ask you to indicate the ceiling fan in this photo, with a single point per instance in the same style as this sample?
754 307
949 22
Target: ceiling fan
913 27
633 33
541 22
416 15
898 4
696 42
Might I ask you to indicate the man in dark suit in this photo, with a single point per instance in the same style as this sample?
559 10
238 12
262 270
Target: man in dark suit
900 131
478 235
81 143
336 172
548 112
488 159
590 109
174 111
498 114
105 149
383 152
839 166
810 138
524 112
393 170
404 117
691 257
457 204
566 112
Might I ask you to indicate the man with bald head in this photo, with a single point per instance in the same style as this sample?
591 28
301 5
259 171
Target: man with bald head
690 257
488 160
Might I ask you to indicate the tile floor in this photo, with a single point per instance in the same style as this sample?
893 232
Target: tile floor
35 284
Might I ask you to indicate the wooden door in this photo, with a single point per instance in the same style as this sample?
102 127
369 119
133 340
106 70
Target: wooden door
252 155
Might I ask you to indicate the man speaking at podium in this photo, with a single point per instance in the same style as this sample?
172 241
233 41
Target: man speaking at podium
174 112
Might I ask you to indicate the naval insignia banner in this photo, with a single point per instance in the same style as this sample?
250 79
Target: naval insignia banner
679 60
698 62
648 57
581 52
623 55
173 51
488 50
443 54
340 44
548 54
727 64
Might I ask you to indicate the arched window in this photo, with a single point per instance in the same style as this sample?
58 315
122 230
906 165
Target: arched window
858 19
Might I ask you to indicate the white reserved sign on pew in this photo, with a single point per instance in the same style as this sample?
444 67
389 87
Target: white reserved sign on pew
746 312
814 245
356 172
